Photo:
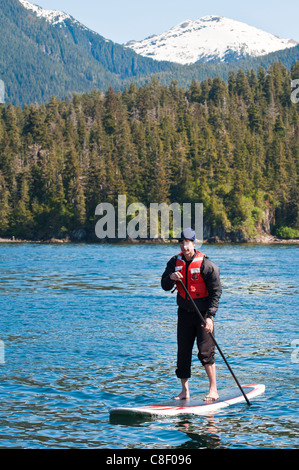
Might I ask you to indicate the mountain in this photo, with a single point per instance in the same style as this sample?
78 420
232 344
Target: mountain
53 17
211 38
45 53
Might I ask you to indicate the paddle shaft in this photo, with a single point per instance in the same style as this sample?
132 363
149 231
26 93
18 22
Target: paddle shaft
215 342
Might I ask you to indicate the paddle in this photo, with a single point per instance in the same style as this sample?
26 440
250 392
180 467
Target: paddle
221 353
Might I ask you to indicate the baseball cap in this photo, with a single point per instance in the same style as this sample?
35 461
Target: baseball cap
188 234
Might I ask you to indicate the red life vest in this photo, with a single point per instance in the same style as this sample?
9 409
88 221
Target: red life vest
195 283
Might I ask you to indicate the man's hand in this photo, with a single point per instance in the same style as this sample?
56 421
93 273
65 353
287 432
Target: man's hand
209 325
176 276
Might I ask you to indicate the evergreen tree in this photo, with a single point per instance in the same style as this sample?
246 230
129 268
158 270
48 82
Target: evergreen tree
4 206
232 146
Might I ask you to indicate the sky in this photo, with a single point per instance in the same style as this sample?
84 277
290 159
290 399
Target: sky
125 20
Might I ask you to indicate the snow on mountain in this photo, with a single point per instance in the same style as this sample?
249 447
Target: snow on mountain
209 38
54 17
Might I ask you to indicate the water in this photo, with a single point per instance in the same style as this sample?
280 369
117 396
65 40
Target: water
85 328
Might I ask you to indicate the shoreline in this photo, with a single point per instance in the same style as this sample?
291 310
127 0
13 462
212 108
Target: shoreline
259 240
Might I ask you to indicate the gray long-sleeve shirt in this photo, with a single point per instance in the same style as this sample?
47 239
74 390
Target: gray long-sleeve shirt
211 276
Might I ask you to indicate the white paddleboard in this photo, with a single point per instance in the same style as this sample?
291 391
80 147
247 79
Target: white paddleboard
194 406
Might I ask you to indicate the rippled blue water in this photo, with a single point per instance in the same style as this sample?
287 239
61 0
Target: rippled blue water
85 328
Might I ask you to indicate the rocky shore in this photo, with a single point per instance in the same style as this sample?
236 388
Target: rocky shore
260 239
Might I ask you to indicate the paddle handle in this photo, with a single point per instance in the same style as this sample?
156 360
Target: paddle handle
215 342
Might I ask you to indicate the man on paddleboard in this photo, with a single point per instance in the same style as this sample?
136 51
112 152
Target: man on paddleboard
201 278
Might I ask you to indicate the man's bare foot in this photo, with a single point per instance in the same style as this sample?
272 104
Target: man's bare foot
184 395
212 396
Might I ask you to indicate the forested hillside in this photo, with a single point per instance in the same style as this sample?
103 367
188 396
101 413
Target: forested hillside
39 60
231 145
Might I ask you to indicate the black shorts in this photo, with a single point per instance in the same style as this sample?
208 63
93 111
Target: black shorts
189 328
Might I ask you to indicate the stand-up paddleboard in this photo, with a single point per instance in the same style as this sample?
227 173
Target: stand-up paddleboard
194 406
